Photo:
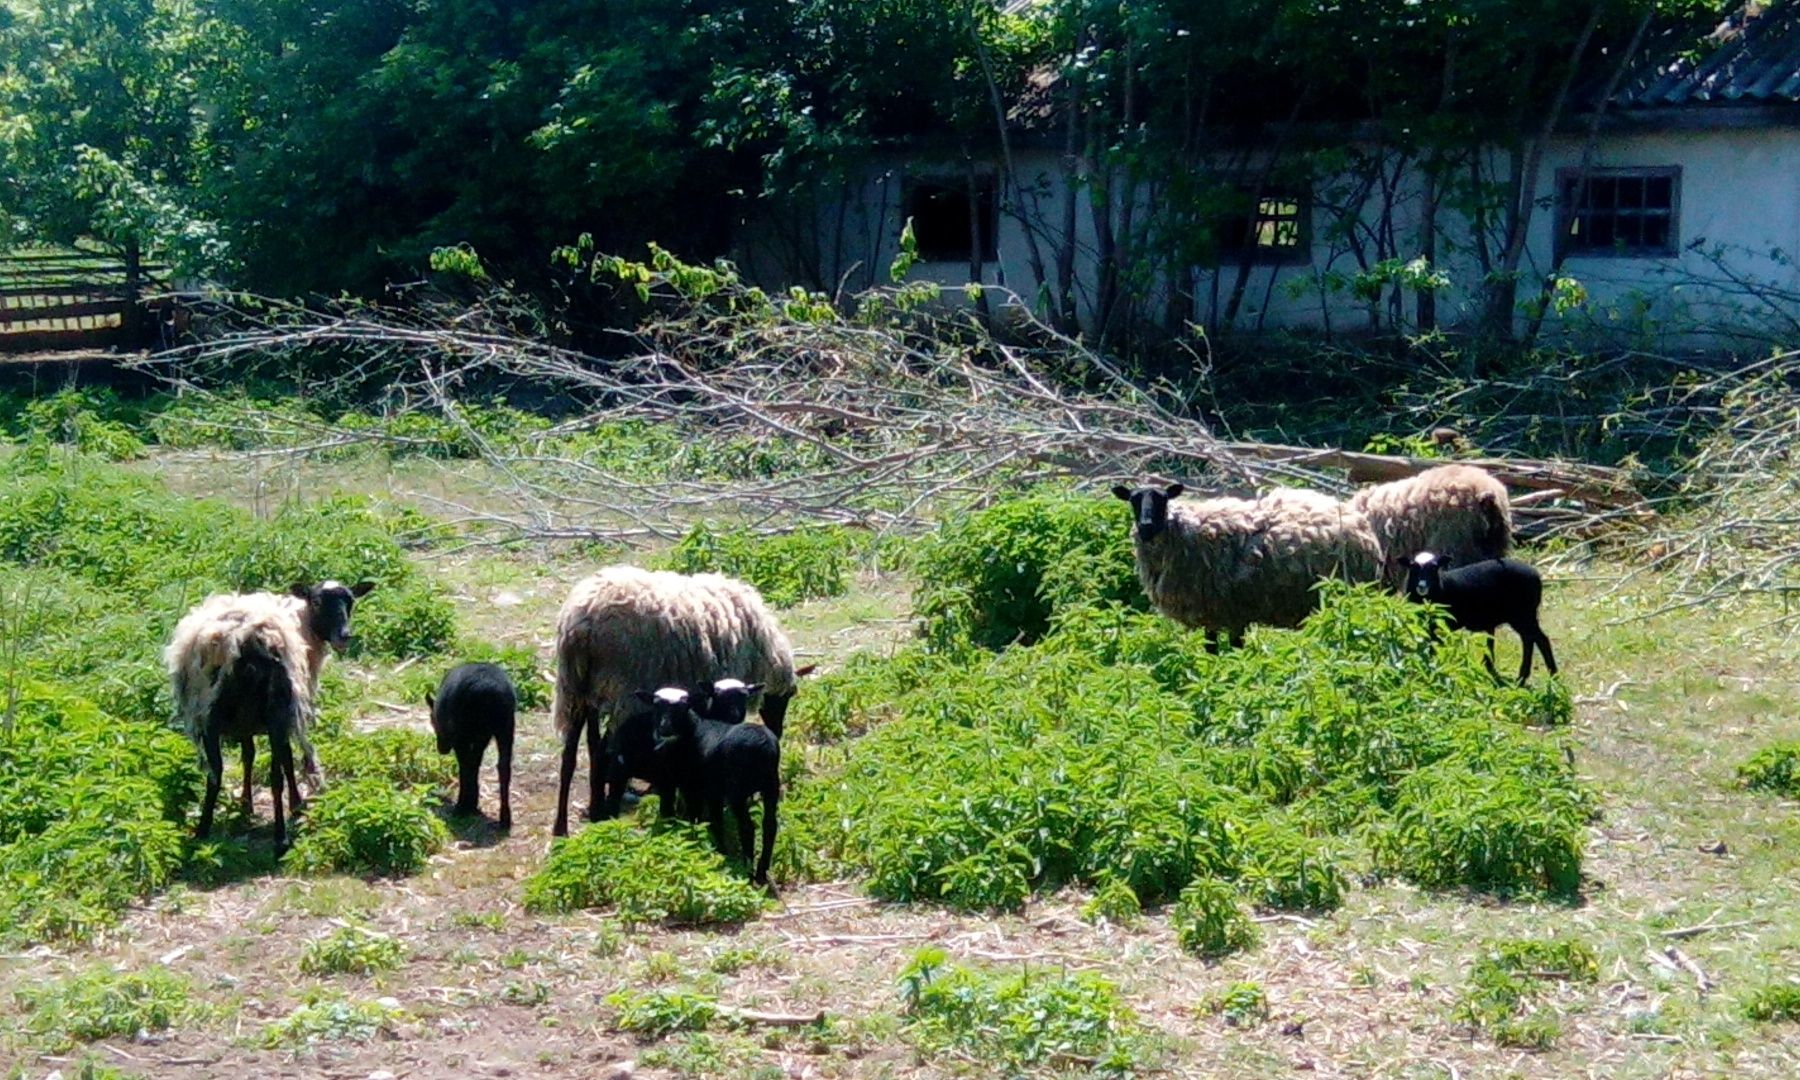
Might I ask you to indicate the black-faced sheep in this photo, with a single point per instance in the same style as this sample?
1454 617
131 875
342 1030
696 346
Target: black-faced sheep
1483 597
631 748
626 628
1224 564
248 664
716 764
1459 511
476 705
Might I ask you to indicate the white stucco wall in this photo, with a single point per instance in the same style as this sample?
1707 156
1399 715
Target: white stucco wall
1739 204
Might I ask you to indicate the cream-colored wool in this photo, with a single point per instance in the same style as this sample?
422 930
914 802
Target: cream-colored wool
209 640
1226 564
626 629
1460 512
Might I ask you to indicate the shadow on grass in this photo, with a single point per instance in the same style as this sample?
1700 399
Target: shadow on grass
476 830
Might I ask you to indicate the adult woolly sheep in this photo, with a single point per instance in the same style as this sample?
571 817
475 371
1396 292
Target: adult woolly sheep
1224 564
244 664
1458 511
625 628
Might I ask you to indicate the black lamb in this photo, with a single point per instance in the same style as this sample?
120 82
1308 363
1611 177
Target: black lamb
715 763
1484 596
631 748
476 704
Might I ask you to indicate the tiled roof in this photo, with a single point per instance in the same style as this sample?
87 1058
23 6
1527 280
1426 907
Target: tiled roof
1752 58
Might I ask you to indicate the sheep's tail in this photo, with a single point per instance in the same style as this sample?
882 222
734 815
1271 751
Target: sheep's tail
1498 538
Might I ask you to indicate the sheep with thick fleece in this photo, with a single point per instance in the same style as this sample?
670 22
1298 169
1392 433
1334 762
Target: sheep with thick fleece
626 628
1224 564
1458 511
248 664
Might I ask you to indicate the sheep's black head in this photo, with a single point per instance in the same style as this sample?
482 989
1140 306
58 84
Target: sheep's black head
775 706
1424 577
731 700
673 707
328 607
445 736
1149 507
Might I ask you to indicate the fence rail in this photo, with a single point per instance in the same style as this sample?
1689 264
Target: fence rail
63 300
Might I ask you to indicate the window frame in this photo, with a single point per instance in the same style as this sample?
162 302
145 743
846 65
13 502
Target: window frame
1567 213
987 187
1300 253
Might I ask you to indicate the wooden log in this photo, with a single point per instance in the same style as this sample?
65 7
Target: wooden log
1593 484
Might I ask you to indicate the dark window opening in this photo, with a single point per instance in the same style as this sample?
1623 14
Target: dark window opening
1276 232
1632 212
940 216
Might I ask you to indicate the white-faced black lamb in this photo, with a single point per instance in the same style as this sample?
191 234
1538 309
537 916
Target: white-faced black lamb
476 704
716 764
1484 596
631 748
626 628
1459 511
247 664
1225 564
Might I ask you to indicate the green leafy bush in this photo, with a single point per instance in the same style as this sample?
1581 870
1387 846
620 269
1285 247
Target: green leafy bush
1242 1004
1773 768
1774 1003
92 812
1019 1022
805 564
1210 921
351 950
396 756
101 1002
661 1012
521 666
331 1017
1118 750
997 576
366 827
1509 975
665 874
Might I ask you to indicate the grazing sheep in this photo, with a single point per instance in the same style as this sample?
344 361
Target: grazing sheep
1484 596
631 750
475 705
626 628
1458 511
248 664
1224 564
717 764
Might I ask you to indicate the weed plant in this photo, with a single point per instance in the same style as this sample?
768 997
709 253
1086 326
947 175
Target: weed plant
1774 769
351 950
1210 920
395 756
1506 982
327 1016
656 1013
1026 1021
806 564
101 1002
366 826
666 873
1778 1002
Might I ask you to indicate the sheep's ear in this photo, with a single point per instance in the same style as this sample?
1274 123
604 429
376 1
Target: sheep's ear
801 672
753 689
361 589
1174 491
644 696
299 591
430 701
1122 492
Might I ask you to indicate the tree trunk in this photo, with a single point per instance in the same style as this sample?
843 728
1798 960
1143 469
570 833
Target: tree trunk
976 253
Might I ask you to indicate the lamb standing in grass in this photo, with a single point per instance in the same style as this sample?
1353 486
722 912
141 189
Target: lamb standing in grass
625 628
631 752
475 705
1483 597
1224 564
248 664
1459 511
715 764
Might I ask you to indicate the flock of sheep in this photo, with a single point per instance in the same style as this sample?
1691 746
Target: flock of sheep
660 670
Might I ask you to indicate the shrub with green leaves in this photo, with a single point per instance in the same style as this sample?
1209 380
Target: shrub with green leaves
657 1013
1775 769
996 577
1509 976
366 827
351 950
1242 1004
1210 920
327 1016
521 666
669 873
1018 1022
397 756
1775 1003
102 1002
1117 749
806 564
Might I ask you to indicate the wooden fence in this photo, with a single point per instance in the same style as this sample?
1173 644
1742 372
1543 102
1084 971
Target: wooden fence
66 300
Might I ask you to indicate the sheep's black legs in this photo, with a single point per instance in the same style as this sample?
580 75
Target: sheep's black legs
215 775
284 774
1490 656
566 776
616 782
468 780
293 780
715 818
746 831
598 753
503 751
1529 636
771 800
248 748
